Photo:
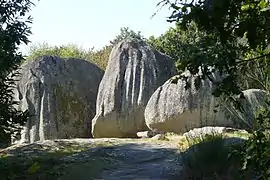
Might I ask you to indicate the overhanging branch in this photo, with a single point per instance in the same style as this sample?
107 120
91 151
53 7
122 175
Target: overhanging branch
252 59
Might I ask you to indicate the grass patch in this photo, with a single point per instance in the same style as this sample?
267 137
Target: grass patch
209 157
68 161
240 134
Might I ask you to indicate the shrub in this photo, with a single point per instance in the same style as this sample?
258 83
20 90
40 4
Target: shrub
98 57
14 31
210 157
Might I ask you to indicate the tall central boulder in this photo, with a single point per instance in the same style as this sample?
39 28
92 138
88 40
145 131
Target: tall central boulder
134 72
60 95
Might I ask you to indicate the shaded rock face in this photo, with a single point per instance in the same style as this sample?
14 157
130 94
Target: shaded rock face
253 101
60 95
173 108
133 73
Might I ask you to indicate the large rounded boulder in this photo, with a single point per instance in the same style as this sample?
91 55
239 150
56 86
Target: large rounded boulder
60 95
134 72
175 108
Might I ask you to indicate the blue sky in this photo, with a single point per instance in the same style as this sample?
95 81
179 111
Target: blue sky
93 23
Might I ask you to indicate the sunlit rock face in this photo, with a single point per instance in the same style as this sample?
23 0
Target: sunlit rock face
134 72
175 108
60 95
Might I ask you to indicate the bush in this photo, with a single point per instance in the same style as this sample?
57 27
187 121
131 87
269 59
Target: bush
98 57
255 153
14 31
210 157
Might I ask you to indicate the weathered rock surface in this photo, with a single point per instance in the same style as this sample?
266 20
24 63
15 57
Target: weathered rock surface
172 108
254 100
134 72
60 95
146 134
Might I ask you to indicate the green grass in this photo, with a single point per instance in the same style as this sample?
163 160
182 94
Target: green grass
209 157
53 164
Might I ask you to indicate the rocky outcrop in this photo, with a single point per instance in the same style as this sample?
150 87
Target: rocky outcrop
60 95
173 108
133 73
253 101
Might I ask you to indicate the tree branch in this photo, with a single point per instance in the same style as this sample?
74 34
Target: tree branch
252 59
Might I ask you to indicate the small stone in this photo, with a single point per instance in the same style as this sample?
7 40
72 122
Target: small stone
160 137
146 134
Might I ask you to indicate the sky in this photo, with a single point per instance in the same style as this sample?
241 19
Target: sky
93 23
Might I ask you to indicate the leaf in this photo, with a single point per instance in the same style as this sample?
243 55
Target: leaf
33 168
266 9
262 4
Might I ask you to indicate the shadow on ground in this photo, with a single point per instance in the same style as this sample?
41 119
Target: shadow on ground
68 161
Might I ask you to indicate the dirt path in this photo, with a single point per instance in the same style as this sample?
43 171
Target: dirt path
96 159
86 159
142 161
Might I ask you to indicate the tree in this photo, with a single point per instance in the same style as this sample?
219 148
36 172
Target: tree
98 57
101 57
14 30
125 33
229 20
189 44
63 51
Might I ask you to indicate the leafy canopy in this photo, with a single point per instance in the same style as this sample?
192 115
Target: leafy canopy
125 33
230 21
98 56
237 27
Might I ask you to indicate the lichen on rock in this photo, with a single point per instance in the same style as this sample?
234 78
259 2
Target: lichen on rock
60 95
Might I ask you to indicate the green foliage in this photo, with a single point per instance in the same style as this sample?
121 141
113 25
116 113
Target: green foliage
14 30
49 165
256 73
208 158
101 57
125 33
228 22
192 48
65 51
256 152
54 161
227 19
178 43
98 57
